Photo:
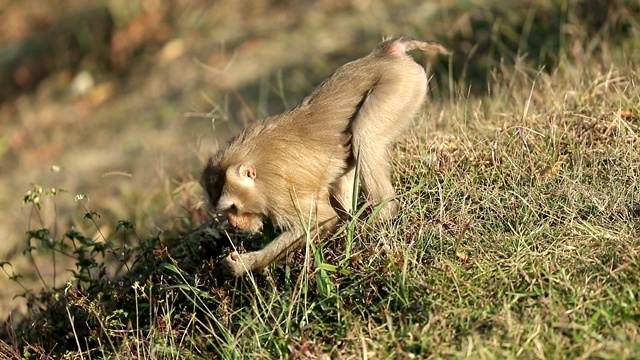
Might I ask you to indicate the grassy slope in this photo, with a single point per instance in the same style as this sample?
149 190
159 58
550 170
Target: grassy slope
543 176
519 238
519 235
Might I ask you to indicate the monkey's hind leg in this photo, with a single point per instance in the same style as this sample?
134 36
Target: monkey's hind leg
389 107
341 194
376 181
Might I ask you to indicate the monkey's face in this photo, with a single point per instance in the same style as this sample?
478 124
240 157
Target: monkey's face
232 191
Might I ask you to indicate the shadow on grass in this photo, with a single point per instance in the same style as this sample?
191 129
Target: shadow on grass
116 290
487 37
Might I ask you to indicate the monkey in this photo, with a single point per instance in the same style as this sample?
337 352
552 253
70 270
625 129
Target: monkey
297 169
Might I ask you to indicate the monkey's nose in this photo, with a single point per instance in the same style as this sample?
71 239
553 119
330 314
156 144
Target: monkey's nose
232 222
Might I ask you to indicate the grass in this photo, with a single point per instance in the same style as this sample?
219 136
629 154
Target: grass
519 238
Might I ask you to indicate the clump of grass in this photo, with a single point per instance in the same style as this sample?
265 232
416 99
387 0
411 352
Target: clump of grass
119 298
533 196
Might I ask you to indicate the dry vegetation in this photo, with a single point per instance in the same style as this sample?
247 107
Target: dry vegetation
520 230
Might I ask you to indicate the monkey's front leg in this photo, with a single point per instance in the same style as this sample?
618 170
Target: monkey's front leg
236 265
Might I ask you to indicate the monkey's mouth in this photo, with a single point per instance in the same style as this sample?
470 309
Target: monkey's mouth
255 229
248 222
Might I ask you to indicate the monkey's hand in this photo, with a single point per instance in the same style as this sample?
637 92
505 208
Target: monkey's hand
234 265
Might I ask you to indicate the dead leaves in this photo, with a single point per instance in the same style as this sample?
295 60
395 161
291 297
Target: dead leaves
629 115
550 171
609 127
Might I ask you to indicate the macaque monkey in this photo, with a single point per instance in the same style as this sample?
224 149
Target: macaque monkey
290 168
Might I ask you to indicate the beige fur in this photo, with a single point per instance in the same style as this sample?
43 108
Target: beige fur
289 167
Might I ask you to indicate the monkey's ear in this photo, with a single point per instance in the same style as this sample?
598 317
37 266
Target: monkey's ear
247 171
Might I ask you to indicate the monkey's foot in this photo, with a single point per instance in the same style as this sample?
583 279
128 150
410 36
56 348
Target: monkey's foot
386 212
390 210
232 266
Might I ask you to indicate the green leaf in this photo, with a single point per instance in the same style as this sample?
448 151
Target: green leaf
335 268
129 225
90 215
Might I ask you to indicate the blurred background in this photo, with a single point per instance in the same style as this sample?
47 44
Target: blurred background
127 98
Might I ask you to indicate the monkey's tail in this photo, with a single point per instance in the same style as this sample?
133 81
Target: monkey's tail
401 44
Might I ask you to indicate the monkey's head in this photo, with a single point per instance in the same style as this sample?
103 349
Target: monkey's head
231 189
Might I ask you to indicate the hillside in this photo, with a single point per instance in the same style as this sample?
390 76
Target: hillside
519 234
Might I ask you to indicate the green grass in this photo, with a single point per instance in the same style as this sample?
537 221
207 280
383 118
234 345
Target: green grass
519 237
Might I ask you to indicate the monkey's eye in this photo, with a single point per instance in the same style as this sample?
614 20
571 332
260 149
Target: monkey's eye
232 209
